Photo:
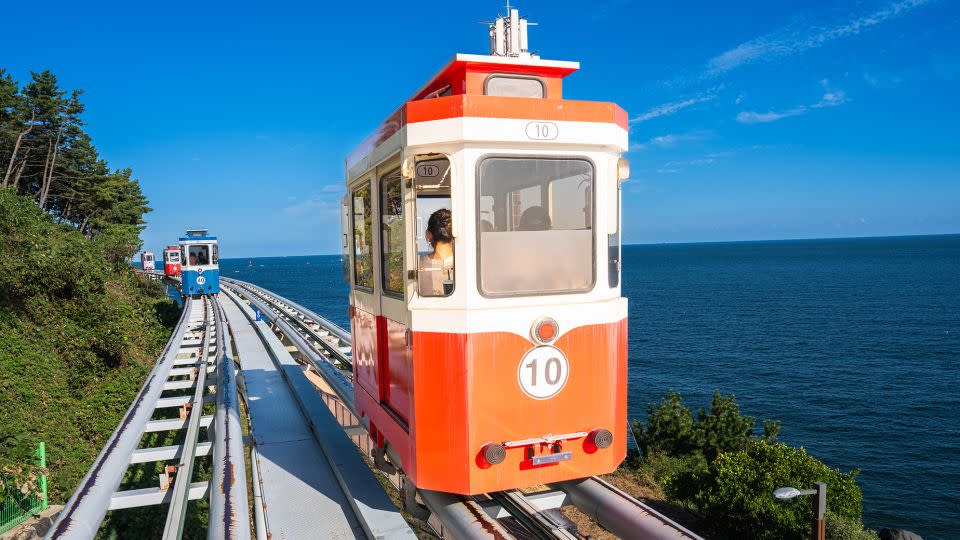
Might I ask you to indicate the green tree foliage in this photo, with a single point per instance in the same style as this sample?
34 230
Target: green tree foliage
46 154
736 492
715 464
78 336
672 429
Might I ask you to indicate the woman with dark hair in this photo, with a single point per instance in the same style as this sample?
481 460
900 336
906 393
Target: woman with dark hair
436 268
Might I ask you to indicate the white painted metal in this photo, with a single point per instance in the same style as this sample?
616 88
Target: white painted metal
173 423
153 496
164 453
176 515
229 506
81 516
269 370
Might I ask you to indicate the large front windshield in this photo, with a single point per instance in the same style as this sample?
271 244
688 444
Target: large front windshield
198 254
535 221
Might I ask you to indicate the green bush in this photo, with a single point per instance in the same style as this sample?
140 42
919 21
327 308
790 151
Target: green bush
672 429
714 464
844 528
78 334
736 491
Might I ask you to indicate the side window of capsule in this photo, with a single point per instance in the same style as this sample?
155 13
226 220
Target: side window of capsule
434 227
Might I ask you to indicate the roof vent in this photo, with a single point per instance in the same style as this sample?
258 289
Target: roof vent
508 35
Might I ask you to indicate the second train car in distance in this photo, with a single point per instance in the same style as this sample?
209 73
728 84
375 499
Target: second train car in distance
147 261
482 242
201 266
171 261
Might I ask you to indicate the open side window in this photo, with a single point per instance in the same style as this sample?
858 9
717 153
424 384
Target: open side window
434 226
392 233
362 210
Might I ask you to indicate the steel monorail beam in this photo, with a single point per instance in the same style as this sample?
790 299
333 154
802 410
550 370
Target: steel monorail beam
620 513
335 331
83 513
462 518
337 381
177 512
229 507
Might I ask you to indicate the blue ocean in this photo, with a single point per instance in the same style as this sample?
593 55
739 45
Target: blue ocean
853 344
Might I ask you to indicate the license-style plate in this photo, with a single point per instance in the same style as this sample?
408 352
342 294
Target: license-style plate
552 458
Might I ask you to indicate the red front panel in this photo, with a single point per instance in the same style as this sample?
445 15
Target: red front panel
363 328
172 269
397 358
468 395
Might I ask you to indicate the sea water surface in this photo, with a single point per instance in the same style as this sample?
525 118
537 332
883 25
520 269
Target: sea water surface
853 344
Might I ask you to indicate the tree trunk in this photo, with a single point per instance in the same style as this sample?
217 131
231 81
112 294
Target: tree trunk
16 148
48 175
20 168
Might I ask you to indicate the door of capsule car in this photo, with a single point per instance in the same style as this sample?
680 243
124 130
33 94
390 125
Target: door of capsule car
380 318
393 336
364 302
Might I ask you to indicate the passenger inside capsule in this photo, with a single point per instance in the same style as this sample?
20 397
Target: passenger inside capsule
436 268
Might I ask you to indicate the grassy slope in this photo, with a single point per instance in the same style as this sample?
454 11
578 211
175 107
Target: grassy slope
77 337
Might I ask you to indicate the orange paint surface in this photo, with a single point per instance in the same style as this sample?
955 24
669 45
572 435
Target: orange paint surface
513 107
467 395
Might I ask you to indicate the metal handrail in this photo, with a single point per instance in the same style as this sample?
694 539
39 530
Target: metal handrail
229 507
83 513
176 514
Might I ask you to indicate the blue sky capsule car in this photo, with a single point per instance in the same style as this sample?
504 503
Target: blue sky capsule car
201 269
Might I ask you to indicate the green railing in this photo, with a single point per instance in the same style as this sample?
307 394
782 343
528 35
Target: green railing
16 507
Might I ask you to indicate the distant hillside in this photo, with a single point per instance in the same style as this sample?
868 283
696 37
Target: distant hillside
78 334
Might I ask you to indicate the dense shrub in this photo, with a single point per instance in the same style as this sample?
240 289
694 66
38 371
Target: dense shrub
844 528
78 334
714 464
672 429
736 491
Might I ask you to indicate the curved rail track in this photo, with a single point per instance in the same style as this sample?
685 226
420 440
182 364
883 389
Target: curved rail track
290 375
325 348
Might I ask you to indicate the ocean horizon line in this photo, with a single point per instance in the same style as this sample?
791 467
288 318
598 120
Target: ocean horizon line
691 243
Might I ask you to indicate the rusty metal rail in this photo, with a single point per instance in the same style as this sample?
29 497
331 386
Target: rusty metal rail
83 513
229 508
459 517
610 507
188 370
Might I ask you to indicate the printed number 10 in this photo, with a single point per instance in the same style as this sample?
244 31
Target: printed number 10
552 371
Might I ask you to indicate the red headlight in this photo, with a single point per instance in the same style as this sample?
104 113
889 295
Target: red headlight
545 330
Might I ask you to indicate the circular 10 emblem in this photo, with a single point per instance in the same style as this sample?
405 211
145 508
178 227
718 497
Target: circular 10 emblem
201 280
543 372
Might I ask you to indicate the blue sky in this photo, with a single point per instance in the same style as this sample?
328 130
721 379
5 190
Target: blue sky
749 120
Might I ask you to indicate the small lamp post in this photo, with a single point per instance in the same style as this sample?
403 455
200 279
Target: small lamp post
819 503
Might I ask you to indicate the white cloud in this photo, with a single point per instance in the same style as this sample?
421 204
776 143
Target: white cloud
667 109
670 140
831 98
787 42
325 205
751 117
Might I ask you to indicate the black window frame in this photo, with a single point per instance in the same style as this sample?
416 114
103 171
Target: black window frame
384 273
368 183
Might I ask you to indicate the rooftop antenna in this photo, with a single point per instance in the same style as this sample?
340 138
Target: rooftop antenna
508 35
